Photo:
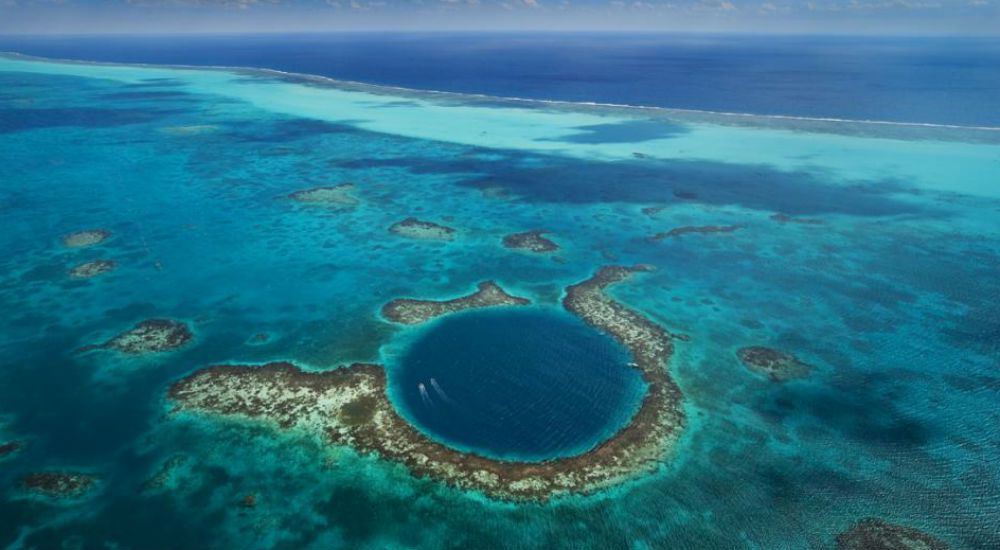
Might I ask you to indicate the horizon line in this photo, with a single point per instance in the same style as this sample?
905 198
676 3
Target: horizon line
508 31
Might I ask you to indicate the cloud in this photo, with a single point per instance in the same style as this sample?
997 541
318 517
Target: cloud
714 5
238 4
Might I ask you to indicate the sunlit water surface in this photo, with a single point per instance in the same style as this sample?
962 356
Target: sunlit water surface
890 292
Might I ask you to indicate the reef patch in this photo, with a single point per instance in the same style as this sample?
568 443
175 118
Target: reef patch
532 241
149 336
419 229
409 311
10 448
60 485
92 269
876 534
249 501
164 476
337 196
259 339
785 218
83 239
777 365
349 406
679 231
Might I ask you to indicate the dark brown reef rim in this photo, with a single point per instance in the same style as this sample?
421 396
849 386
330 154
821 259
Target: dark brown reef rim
410 311
349 406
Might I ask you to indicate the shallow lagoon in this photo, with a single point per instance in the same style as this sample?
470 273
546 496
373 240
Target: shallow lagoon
883 277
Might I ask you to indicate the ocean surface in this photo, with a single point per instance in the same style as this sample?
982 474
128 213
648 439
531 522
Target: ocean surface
919 79
496 384
870 251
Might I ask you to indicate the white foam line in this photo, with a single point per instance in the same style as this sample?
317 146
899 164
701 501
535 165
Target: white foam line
515 99
424 395
440 391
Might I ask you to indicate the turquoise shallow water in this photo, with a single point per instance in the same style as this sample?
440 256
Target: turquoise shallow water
891 295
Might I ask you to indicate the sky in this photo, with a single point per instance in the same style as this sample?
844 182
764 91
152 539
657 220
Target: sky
932 17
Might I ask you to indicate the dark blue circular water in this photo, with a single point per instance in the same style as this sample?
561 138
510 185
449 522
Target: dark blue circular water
516 384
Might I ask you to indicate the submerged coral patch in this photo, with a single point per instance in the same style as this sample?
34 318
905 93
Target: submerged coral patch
335 196
785 218
409 311
259 339
877 534
90 237
90 269
678 231
10 448
777 365
349 406
165 474
532 241
149 336
419 229
59 484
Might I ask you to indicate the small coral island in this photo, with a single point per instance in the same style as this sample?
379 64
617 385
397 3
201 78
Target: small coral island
409 311
149 336
678 231
419 229
349 406
876 534
82 239
532 241
336 196
777 365
91 269
59 484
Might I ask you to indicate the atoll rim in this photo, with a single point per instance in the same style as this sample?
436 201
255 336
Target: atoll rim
364 418
411 311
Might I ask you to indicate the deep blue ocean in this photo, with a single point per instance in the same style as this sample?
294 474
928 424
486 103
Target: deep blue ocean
911 79
462 377
869 251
